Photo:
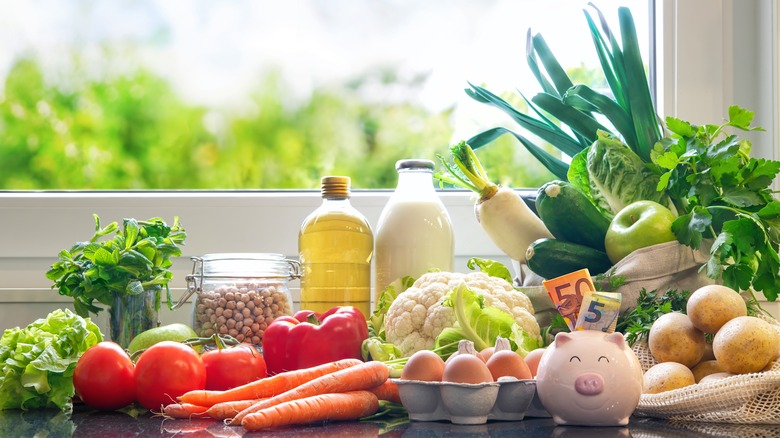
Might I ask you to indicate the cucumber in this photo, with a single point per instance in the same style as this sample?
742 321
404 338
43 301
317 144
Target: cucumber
570 216
552 258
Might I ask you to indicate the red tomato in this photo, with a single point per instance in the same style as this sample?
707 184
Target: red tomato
104 377
231 367
165 371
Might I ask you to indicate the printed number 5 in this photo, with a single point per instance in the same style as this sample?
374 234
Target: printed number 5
594 308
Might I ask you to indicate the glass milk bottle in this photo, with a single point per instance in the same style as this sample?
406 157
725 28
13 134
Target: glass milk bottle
414 232
335 246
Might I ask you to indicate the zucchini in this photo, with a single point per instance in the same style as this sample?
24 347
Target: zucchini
570 216
552 258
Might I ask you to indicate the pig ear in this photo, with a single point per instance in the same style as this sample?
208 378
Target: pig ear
562 338
617 338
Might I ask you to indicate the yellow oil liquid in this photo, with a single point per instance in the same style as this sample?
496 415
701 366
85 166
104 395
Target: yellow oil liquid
335 251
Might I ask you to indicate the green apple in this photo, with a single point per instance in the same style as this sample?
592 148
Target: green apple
637 225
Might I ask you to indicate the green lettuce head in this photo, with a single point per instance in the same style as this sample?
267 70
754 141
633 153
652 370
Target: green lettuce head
37 362
481 324
613 176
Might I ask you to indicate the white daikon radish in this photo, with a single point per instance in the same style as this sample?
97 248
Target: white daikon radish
504 216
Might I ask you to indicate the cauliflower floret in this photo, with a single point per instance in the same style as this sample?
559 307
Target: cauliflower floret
417 316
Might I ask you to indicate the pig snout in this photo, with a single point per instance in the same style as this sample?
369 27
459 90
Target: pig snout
589 384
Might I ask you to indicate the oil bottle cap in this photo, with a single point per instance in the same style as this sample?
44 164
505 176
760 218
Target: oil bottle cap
335 186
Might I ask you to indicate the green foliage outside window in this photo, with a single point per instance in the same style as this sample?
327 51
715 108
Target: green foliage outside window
133 131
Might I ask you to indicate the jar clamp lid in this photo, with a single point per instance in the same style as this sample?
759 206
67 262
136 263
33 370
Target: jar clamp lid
237 266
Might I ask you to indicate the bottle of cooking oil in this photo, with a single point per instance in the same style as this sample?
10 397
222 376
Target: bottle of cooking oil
335 246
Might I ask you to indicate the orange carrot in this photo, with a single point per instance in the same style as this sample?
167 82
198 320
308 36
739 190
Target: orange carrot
225 410
387 391
184 410
330 406
360 377
267 387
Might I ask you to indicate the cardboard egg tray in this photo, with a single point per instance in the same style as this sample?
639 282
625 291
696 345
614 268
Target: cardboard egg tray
464 403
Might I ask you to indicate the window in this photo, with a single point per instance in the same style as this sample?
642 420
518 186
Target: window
269 95
698 77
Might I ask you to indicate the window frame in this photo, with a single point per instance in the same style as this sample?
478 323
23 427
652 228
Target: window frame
699 77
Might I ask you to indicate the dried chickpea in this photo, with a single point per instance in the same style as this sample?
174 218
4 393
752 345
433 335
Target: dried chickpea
243 311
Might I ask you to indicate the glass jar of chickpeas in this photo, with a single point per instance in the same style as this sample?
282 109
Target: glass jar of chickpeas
240 294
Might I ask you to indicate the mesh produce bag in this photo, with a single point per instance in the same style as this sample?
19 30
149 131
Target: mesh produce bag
742 399
650 428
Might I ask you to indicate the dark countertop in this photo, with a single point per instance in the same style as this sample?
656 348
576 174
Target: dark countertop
87 423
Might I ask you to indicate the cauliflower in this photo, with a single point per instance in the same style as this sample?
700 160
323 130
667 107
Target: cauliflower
417 316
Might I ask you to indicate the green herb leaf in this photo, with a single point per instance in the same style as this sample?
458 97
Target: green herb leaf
663 181
740 117
760 173
718 189
137 257
680 127
742 197
131 232
636 323
769 212
750 235
689 227
667 160
105 257
737 276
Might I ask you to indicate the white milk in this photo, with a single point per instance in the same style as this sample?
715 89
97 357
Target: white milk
414 232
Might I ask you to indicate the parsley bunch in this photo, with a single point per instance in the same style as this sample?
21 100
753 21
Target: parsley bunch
636 323
724 195
135 259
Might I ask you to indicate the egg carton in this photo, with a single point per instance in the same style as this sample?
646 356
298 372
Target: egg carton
465 403
536 409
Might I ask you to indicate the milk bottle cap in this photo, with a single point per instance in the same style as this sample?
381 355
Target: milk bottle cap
414 164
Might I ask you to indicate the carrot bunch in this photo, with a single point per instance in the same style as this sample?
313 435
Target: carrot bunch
346 389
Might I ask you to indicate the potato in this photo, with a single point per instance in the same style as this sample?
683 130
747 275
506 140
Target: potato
710 307
666 376
715 376
705 368
708 354
746 344
673 338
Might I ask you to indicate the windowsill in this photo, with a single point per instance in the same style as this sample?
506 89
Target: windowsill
37 225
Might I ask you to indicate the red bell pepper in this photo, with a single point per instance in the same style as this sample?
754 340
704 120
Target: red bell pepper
308 339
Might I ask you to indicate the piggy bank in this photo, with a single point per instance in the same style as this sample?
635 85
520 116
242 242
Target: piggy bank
589 378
